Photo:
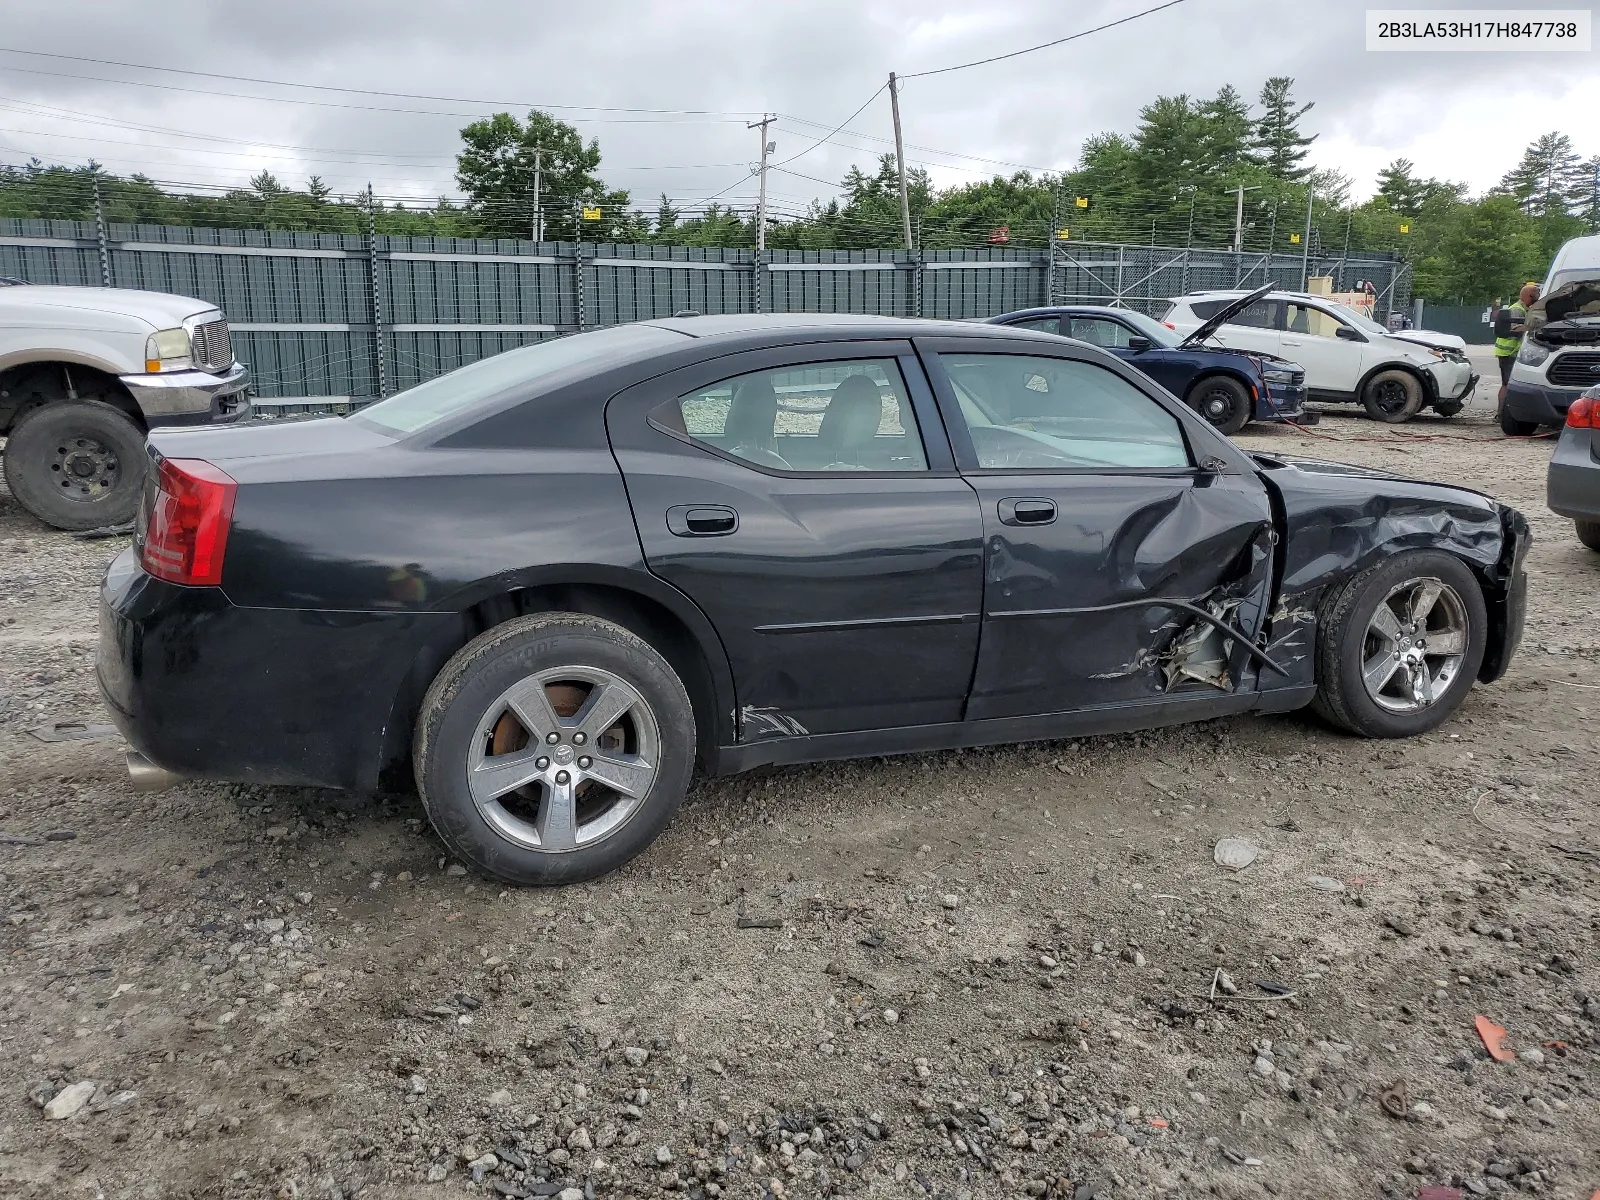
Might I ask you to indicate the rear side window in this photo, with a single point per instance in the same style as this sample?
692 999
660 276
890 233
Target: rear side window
1260 315
850 415
1041 324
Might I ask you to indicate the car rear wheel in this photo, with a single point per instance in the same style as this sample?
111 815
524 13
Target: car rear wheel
76 464
1223 402
1512 427
1399 645
1589 534
1392 396
553 748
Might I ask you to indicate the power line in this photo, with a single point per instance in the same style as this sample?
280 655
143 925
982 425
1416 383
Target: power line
835 129
1043 45
355 91
424 112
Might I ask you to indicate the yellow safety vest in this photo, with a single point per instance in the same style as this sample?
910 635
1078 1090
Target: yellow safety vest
1505 347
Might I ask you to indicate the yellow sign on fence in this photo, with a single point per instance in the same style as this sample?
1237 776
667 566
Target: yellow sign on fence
1294 239
1082 202
592 214
1405 226
1063 234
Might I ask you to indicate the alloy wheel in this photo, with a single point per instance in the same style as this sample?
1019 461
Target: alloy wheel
562 759
1415 644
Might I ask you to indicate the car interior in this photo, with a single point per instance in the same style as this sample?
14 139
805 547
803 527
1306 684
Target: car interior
832 417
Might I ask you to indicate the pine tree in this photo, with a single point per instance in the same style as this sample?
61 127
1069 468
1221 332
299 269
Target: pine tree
1279 145
1544 181
1226 129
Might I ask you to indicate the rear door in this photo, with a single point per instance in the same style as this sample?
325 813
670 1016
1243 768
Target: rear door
1105 529
1254 328
807 500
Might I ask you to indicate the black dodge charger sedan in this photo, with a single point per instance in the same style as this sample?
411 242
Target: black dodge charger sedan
551 582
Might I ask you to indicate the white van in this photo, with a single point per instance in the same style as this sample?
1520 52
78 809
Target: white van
1560 356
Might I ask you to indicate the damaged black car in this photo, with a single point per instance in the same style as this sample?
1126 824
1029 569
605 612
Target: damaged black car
546 586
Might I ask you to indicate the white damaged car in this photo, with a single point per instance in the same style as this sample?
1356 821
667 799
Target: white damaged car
1347 357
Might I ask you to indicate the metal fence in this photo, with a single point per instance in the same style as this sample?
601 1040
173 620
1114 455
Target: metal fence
333 320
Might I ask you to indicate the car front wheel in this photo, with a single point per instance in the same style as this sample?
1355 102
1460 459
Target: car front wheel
1589 533
553 748
1392 396
1399 646
1224 402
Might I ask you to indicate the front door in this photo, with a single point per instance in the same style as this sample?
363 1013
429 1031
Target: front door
1112 522
1311 338
806 499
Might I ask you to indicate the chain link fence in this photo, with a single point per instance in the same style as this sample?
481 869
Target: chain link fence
332 321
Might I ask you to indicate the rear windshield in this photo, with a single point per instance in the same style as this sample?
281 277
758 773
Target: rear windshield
420 406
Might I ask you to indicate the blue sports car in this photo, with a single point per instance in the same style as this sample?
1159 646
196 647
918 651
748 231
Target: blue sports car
1226 387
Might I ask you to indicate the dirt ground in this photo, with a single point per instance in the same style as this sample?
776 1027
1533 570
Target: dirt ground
989 973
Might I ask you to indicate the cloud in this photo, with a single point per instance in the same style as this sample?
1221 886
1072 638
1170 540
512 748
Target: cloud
1459 116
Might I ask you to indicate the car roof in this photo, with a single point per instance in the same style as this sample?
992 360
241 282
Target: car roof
742 327
1050 310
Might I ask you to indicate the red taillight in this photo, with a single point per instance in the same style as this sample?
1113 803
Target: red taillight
1170 326
186 528
1584 413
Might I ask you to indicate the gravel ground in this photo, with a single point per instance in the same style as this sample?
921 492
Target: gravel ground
983 973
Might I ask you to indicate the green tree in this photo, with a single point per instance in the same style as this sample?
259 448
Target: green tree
1279 145
1490 249
496 171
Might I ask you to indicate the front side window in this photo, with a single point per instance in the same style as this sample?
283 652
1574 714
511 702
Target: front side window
852 415
1025 412
1312 322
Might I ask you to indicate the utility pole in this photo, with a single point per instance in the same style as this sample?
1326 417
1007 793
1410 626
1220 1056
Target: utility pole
538 182
761 204
1305 242
900 159
1238 215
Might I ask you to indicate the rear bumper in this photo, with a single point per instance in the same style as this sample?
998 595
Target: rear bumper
192 397
1539 403
210 690
1573 479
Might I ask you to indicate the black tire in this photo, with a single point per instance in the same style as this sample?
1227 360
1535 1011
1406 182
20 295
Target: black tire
76 464
1392 396
1512 427
1342 624
1223 402
1448 408
1589 534
469 692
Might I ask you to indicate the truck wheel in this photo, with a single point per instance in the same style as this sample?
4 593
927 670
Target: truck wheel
1589 534
1512 427
1392 396
76 464
553 748
1223 402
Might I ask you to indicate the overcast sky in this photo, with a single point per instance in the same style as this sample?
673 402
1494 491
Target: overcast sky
1458 116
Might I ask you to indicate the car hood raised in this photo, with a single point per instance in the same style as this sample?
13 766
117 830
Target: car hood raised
1220 318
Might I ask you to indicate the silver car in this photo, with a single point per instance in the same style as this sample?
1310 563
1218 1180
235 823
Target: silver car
1574 478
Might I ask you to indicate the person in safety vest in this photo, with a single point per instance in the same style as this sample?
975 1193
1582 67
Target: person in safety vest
1509 326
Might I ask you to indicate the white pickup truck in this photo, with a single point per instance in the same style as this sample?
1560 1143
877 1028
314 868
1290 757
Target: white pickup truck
85 373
